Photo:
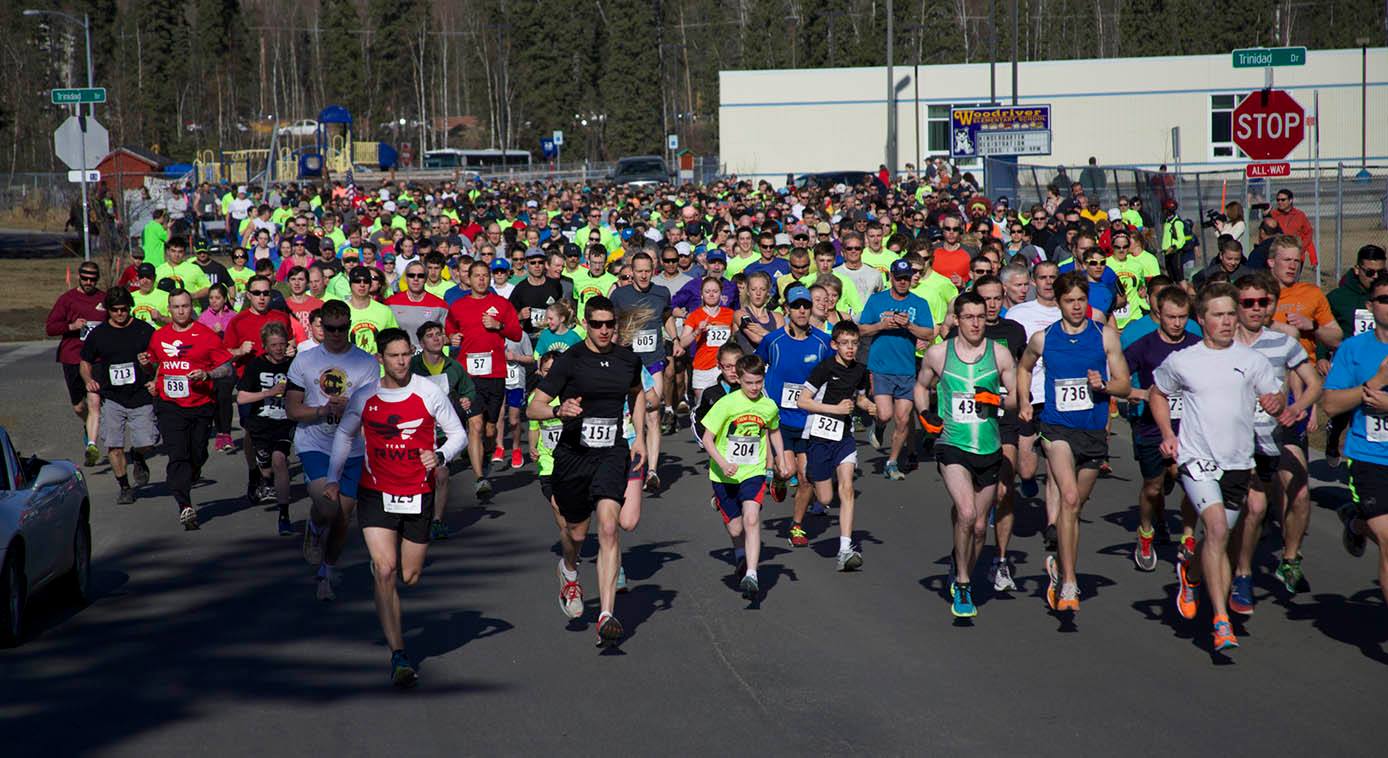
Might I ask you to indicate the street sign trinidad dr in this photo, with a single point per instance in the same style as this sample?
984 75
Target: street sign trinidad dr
68 141
78 96
1267 57
1267 170
1268 125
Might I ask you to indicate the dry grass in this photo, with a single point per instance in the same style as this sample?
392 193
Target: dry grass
29 290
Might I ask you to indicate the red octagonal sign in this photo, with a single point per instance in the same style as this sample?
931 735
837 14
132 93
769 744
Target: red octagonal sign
1268 125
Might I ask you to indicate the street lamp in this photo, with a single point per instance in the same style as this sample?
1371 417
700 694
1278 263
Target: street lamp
91 112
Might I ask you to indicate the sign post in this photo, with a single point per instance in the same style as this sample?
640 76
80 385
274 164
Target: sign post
558 148
77 138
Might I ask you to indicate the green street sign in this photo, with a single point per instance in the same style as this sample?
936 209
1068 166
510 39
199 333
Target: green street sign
78 96
1265 57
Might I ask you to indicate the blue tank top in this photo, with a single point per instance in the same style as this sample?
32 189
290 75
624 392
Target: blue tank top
1068 359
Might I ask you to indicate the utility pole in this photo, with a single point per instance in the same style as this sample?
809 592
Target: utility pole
891 98
1015 35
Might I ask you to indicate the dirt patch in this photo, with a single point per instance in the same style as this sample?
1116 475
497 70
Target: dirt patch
30 289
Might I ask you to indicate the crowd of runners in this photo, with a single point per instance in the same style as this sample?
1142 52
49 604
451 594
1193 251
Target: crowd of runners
376 333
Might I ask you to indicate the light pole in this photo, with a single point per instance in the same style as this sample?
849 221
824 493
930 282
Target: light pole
91 112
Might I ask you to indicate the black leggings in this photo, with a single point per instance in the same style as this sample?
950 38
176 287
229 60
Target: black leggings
185 441
226 401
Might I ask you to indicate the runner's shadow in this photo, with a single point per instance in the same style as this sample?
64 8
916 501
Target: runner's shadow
643 561
637 607
829 547
1163 611
442 633
227 506
1348 620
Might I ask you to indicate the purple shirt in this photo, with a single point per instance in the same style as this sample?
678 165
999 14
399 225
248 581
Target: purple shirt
690 296
1143 357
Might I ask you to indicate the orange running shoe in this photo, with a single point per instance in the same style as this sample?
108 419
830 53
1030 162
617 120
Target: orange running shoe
1224 638
1187 594
1053 588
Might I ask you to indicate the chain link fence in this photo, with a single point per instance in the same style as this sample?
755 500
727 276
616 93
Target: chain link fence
1347 204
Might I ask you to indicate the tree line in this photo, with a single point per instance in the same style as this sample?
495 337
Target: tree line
616 76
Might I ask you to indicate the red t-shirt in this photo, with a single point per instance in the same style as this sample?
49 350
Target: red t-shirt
465 318
246 326
176 353
301 313
952 264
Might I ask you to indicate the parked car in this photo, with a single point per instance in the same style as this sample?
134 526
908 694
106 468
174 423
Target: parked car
641 171
827 179
45 534
302 128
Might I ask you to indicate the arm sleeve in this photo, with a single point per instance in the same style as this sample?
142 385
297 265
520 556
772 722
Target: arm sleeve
1265 380
455 437
1167 380
347 430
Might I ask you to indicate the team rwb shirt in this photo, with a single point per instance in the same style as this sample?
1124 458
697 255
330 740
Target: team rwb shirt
176 354
398 426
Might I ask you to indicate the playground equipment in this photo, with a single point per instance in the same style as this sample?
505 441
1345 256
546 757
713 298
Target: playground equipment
333 151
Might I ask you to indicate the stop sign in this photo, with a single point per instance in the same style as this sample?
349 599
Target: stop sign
1268 125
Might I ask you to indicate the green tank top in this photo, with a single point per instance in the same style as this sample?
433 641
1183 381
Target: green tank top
965 428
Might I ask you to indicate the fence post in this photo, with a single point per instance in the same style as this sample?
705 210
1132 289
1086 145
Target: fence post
1339 218
1199 218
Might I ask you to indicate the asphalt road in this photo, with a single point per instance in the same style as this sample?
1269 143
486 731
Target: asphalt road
211 642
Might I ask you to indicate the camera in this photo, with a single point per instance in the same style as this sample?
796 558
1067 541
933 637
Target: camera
1213 217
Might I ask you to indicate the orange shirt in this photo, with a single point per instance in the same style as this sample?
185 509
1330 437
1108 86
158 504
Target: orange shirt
705 354
1306 299
952 264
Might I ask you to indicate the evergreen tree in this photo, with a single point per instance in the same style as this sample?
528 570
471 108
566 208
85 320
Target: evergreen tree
163 57
630 81
343 73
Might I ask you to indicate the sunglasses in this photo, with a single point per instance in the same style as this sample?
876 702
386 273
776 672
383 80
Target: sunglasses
951 228
605 323
1094 262
669 260
416 276
1260 302
852 247
336 328
1379 299
258 293
88 277
1120 247
624 279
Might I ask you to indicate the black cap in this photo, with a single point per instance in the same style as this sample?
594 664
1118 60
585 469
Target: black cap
572 251
145 271
359 274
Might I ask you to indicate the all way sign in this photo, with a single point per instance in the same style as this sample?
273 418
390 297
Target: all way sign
1267 170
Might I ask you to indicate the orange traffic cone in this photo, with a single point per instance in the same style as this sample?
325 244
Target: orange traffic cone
68 277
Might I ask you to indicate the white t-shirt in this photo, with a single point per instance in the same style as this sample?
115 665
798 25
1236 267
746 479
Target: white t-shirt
1219 389
322 374
1283 353
240 207
1035 317
867 279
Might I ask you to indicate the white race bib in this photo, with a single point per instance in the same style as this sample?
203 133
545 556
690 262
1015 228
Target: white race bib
1376 427
479 364
1121 313
513 376
122 374
964 409
717 336
826 427
273 409
549 435
645 341
1202 471
175 387
1363 320
1177 404
1073 395
537 317
90 325
744 450
679 325
1260 416
790 395
599 432
409 505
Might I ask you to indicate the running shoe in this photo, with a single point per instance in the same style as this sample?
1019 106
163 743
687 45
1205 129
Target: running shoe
683 407
1241 594
570 598
1289 571
517 458
499 454
778 489
127 496
1333 461
1052 583
1001 573
1028 488
1105 469
652 483
1051 538
713 502
285 527
794 480
893 472
326 593
609 630
667 420
798 537
1143 555
1187 594
1186 551
438 530
91 455
265 494
314 542
140 470
622 579
850 559
1353 541
962 606
402 673
1069 598
223 443
872 439
483 490
749 587
817 509
1224 638
188 518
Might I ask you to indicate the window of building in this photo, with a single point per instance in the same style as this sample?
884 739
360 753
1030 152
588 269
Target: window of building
937 134
1222 127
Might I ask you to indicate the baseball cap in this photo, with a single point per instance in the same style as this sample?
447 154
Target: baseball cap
572 250
783 240
684 249
501 264
534 252
798 293
299 239
145 271
359 274
694 229
716 255
628 233
901 269
389 205
388 258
